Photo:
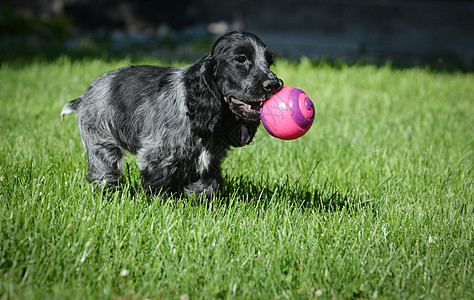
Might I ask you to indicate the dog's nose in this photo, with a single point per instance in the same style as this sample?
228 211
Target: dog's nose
272 86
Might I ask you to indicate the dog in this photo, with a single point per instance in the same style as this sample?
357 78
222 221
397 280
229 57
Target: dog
179 122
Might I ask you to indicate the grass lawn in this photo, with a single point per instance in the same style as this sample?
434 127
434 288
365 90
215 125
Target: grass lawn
374 202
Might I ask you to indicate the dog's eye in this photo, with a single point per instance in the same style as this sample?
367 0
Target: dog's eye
241 59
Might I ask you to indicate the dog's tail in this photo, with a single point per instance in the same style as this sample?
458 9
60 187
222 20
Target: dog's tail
71 107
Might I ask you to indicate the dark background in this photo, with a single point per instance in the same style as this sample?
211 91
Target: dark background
404 32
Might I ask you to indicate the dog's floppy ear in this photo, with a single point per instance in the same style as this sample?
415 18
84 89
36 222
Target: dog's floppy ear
203 97
209 73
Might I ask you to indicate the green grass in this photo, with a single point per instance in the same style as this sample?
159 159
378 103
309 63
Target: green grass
374 202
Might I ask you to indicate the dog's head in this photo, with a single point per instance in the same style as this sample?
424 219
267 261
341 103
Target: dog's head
242 73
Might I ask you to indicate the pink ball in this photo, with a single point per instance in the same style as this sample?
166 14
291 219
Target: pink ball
288 114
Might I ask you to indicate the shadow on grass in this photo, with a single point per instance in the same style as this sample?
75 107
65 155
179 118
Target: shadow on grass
260 192
263 193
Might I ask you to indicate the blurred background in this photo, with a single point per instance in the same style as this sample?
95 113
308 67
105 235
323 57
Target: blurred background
438 33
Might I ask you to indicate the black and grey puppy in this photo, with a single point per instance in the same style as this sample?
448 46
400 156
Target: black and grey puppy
179 122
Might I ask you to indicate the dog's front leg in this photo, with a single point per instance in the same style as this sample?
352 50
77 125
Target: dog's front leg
156 183
159 173
207 186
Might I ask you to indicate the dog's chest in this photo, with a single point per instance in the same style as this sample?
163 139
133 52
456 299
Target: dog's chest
204 161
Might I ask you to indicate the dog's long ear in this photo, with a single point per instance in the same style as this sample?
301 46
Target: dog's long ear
203 97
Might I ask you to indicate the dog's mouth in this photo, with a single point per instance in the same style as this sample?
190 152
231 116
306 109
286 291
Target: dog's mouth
250 108
246 110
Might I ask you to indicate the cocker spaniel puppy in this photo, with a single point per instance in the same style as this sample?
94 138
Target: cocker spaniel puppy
179 122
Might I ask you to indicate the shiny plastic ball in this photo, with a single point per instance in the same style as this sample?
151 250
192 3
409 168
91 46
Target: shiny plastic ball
288 114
